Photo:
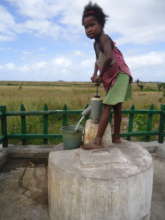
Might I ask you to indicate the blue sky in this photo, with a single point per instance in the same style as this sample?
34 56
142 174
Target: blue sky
43 40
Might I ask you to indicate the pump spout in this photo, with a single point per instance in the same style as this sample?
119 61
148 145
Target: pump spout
87 111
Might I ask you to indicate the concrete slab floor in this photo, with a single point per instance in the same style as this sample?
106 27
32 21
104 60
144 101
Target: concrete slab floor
17 205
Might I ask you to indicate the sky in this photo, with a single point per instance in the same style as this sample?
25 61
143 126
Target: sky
43 40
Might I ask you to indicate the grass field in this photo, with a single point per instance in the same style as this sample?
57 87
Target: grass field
56 94
76 95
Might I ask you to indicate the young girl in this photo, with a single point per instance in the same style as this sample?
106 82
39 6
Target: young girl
113 72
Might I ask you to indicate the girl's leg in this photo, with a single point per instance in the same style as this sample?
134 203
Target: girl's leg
102 126
117 123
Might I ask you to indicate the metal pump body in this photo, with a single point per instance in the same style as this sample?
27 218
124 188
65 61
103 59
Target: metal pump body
94 109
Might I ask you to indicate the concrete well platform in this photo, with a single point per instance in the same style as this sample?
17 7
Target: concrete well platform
112 183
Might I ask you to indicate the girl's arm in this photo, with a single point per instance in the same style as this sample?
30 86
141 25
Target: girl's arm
107 46
94 76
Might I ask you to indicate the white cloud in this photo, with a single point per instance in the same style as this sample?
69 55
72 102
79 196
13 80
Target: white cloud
80 68
24 68
62 61
40 28
6 19
78 53
85 63
7 25
37 9
5 37
148 67
57 68
150 59
10 66
136 21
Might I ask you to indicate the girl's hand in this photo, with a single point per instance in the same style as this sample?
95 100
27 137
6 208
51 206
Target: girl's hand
98 80
93 78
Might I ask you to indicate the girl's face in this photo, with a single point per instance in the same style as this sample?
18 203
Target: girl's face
92 28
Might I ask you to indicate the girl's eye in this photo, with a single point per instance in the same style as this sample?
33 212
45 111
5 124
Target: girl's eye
89 25
92 24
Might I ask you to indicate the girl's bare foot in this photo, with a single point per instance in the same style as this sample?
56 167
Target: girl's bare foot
116 139
96 144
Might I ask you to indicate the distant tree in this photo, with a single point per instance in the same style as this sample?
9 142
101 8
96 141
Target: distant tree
20 86
163 89
159 85
163 85
140 85
137 81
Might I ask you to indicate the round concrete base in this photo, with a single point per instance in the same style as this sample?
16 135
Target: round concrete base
112 183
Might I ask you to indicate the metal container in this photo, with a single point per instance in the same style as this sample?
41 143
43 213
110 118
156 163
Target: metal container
72 138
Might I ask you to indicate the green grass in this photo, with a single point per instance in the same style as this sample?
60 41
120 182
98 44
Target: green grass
76 95
56 94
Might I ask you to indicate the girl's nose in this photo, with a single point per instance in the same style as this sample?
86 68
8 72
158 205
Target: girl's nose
89 30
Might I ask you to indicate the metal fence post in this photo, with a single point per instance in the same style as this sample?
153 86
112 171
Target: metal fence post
45 124
130 122
4 126
149 122
23 123
162 124
65 116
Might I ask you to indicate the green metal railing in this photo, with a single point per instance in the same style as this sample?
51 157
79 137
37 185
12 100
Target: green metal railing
65 113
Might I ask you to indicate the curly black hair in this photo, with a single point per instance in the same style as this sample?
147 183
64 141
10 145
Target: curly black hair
95 11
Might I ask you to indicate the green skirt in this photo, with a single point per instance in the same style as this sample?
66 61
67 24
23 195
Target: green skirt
121 91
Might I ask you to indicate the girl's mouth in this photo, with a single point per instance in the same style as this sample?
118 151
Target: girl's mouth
90 35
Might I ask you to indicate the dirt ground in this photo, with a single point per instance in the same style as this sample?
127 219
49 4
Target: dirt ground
16 203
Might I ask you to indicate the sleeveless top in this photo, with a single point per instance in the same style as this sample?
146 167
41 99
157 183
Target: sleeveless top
117 66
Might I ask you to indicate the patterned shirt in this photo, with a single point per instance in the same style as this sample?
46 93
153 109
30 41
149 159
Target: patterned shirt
118 65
